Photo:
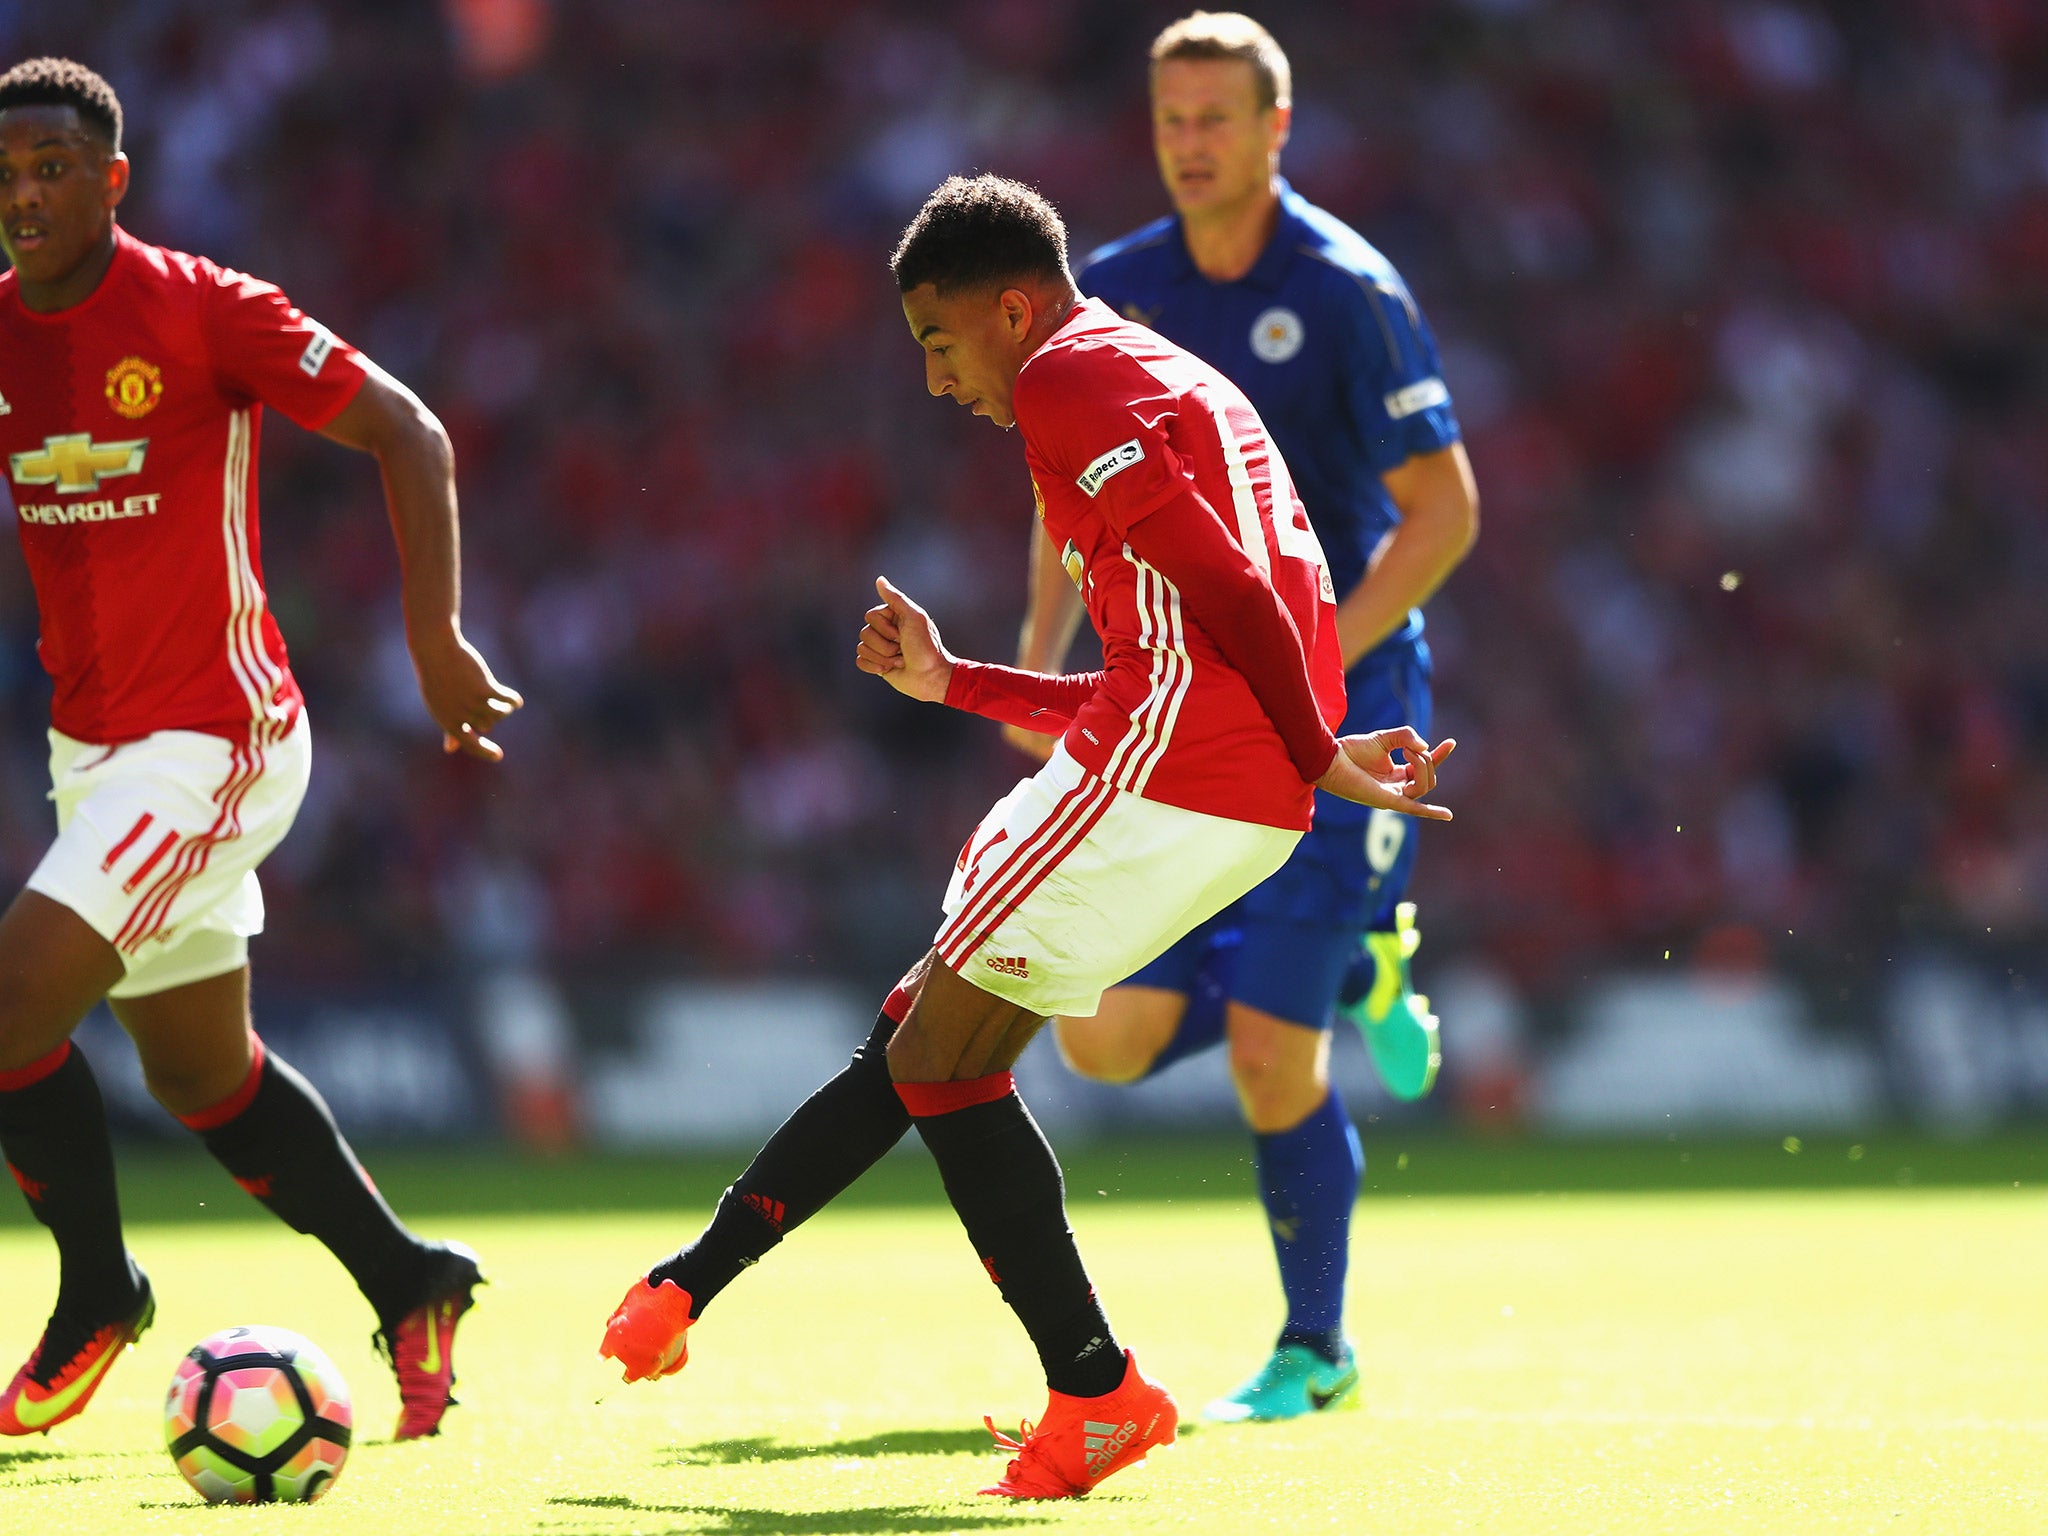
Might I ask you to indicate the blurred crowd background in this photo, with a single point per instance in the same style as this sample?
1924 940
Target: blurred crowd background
1744 308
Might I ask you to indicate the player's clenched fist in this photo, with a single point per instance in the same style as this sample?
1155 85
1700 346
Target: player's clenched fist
900 644
1364 770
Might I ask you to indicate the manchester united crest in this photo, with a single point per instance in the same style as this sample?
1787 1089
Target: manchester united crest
134 387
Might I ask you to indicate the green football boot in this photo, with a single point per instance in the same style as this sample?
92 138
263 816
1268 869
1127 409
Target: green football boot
1400 1031
1294 1382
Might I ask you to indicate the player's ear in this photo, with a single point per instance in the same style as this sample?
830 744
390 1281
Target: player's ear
1018 311
1282 123
117 180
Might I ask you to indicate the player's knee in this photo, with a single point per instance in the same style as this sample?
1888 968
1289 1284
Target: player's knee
1277 1089
30 1031
1098 1050
57 969
184 1092
187 1085
22 1046
17 1043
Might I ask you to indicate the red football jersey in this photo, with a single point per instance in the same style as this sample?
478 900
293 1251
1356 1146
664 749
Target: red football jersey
1117 422
130 423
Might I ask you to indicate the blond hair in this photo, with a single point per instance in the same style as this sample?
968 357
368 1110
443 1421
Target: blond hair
1223 35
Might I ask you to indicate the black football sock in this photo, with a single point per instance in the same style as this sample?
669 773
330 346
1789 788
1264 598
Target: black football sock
1005 1183
277 1137
835 1136
53 1129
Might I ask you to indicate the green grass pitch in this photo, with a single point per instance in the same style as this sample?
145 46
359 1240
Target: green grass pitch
1674 1359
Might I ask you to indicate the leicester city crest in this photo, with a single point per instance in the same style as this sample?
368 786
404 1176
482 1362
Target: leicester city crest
1276 335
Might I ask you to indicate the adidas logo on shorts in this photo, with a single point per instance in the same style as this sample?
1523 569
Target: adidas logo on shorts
1010 965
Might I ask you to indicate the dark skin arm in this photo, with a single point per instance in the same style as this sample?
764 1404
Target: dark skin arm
1439 505
387 421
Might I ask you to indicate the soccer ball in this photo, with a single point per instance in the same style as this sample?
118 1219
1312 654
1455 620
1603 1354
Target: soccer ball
258 1414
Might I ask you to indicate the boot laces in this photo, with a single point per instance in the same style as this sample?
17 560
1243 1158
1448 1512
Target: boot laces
64 1342
1031 1470
1026 1431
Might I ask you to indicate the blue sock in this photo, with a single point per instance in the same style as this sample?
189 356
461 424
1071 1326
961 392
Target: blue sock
1201 1022
1308 1178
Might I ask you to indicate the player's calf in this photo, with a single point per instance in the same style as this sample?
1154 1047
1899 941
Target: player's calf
275 1135
1005 1185
53 1132
833 1137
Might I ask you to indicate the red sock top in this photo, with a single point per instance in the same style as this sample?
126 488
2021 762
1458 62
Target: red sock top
17 1078
897 1004
926 1099
215 1116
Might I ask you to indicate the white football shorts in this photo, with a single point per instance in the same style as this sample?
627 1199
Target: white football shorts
158 842
1070 884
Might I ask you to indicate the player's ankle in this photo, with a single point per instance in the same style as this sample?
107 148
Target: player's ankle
1330 1346
102 1298
1096 1368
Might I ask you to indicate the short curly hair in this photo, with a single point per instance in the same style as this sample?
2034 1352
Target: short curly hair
64 83
978 232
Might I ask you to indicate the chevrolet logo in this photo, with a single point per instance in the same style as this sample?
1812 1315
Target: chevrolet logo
74 462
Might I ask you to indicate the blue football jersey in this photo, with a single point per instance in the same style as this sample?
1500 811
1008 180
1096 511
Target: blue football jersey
1324 338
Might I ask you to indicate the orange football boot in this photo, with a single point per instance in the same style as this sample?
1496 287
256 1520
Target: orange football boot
70 1362
1082 1440
421 1347
648 1332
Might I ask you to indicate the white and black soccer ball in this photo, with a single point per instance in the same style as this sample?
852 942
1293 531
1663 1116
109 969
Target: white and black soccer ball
258 1414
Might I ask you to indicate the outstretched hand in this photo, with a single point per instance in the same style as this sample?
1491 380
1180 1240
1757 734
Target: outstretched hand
1364 771
900 644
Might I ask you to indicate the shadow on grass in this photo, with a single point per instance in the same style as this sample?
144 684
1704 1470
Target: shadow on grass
894 1442
830 1522
24 1466
10 1459
23 1455
59 1480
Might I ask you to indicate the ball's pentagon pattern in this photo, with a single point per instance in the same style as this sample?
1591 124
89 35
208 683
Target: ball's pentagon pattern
216 1481
257 1414
254 1409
